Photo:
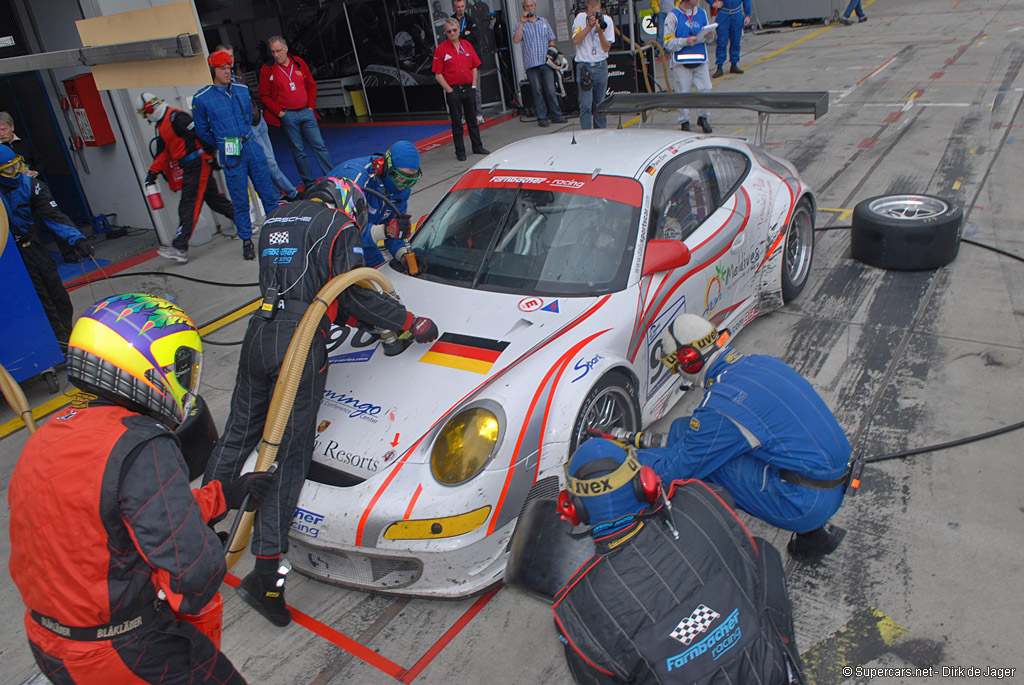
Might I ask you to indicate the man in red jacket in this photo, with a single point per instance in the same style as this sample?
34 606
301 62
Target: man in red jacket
288 94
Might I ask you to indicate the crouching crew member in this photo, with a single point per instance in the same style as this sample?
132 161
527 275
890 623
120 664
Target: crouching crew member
102 517
303 245
762 433
677 591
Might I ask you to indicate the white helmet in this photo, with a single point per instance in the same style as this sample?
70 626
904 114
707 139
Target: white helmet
690 344
151 107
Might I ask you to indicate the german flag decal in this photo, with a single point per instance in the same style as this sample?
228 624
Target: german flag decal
465 352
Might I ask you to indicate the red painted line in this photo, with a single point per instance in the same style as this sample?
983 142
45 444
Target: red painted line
411 674
957 4
937 75
114 268
877 69
868 142
893 116
445 137
420 122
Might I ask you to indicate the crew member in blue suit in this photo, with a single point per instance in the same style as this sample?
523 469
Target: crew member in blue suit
730 32
762 433
29 207
394 174
223 119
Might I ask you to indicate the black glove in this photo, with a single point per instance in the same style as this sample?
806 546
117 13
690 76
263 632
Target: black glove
423 330
84 248
401 228
553 54
214 164
150 178
257 485
399 265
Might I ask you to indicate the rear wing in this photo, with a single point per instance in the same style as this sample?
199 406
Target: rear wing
765 104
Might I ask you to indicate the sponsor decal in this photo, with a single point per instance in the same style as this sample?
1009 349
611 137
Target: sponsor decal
650 170
530 304
584 365
286 219
281 255
732 355
58 628
278 238
693 625
323 426
331 451
566 183
391 413
306 522
65 417
357 250
465 352
389 455
355 408
694 423
718 642
553 307
120 629
657 371
531 180
351 357
614 188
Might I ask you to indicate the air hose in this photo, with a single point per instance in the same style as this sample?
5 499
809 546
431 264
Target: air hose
288 383
11 390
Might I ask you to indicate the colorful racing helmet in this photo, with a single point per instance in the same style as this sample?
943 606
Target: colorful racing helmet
139 351
343 195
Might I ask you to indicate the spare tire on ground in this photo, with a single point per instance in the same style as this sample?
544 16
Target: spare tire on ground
906 232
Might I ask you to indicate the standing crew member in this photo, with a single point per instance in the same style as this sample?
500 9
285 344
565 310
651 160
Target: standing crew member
762 433
592 34
288 92
455 69
394 174
303 245
101 515
689 56
29 207
730 32
470 32
223 119
674 594
178 141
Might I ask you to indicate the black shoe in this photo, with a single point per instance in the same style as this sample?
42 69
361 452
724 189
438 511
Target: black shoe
461 156
704 125
735 69
291 198
559 121
265 594
481 151
685 126
862 18
846 20
812 546
718 72
248 251
543 123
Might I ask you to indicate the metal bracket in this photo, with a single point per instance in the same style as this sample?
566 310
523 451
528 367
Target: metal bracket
183 45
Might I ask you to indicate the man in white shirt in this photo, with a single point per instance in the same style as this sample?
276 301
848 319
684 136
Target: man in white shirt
592 34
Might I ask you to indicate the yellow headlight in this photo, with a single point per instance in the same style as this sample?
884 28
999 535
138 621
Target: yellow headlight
464 446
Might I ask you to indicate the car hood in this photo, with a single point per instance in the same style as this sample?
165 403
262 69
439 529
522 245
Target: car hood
376 407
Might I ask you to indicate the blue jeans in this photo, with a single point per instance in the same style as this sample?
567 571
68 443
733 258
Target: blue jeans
262 136
590 99
300 127
659 22
542 83
854 5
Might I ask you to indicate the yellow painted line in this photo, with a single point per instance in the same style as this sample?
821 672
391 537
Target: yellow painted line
737 131
52 405
844 214
866 636
956 185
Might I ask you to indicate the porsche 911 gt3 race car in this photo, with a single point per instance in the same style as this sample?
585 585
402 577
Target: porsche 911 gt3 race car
551 268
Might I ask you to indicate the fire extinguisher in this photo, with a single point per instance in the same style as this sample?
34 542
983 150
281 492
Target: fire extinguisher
154 197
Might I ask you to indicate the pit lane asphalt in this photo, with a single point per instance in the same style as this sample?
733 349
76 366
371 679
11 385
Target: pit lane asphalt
925 97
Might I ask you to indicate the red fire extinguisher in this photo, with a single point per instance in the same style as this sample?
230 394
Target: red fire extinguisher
153 195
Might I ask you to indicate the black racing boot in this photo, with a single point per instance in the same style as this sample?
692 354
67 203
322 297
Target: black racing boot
265 594
248 251
704 125
735 69
718 72
812 546
685 126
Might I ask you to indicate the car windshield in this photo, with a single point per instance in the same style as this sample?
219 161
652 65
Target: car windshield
529 237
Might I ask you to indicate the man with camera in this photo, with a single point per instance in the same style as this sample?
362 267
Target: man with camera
592 34
534 32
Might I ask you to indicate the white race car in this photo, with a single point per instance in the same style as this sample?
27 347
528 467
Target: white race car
551 268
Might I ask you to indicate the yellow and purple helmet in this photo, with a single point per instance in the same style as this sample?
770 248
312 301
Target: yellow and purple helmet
139 351
344 195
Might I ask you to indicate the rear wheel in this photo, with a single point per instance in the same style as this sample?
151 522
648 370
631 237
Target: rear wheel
611 403
798 252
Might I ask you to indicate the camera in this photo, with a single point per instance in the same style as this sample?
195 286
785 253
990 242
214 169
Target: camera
600 21
530 14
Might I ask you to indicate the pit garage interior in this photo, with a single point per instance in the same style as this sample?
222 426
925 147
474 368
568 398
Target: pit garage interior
924 97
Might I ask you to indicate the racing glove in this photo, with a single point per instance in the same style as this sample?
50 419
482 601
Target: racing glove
256 485
84 248
553 54
423 330
400 227
150 178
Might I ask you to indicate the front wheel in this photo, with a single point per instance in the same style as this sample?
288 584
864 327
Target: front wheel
611 403
798 253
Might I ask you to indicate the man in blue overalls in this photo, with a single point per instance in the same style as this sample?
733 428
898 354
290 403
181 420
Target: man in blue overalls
223 119
688 54
762 433
730 32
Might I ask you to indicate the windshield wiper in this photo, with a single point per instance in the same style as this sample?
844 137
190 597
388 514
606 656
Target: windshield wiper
494 239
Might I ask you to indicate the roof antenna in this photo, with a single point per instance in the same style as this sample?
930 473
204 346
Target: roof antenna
573 133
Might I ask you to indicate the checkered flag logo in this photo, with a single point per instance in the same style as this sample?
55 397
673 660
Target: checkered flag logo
694 624
279 238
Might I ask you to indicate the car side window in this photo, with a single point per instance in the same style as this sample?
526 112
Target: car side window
685 194
731 167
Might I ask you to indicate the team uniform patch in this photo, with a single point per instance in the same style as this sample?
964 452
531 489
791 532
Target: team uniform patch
694 624
279 238
694 423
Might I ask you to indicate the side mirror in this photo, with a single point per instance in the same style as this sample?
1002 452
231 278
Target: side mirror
665 255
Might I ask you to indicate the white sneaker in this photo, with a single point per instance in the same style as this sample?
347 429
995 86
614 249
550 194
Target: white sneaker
173 253
480 118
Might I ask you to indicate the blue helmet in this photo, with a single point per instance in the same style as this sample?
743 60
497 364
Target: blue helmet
603 485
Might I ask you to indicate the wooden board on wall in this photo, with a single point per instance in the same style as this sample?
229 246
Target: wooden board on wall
165 21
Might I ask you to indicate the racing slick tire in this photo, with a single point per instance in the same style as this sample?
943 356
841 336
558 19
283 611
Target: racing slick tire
611 403
906 232
798 252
